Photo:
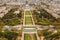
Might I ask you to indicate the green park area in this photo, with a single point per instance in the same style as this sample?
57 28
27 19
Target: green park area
27 13
43 21
11 18
28 20
43 17
30 37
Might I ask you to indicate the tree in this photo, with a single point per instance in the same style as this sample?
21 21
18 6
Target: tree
10 35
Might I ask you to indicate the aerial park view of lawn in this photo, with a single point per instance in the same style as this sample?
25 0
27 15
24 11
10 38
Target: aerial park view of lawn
29 20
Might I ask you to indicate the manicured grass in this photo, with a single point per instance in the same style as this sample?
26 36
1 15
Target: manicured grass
30 37
29 27
28 20
27 13
43 21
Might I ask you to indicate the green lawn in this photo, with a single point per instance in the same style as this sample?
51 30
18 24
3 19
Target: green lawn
27 13
43 21
30 37
28 20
